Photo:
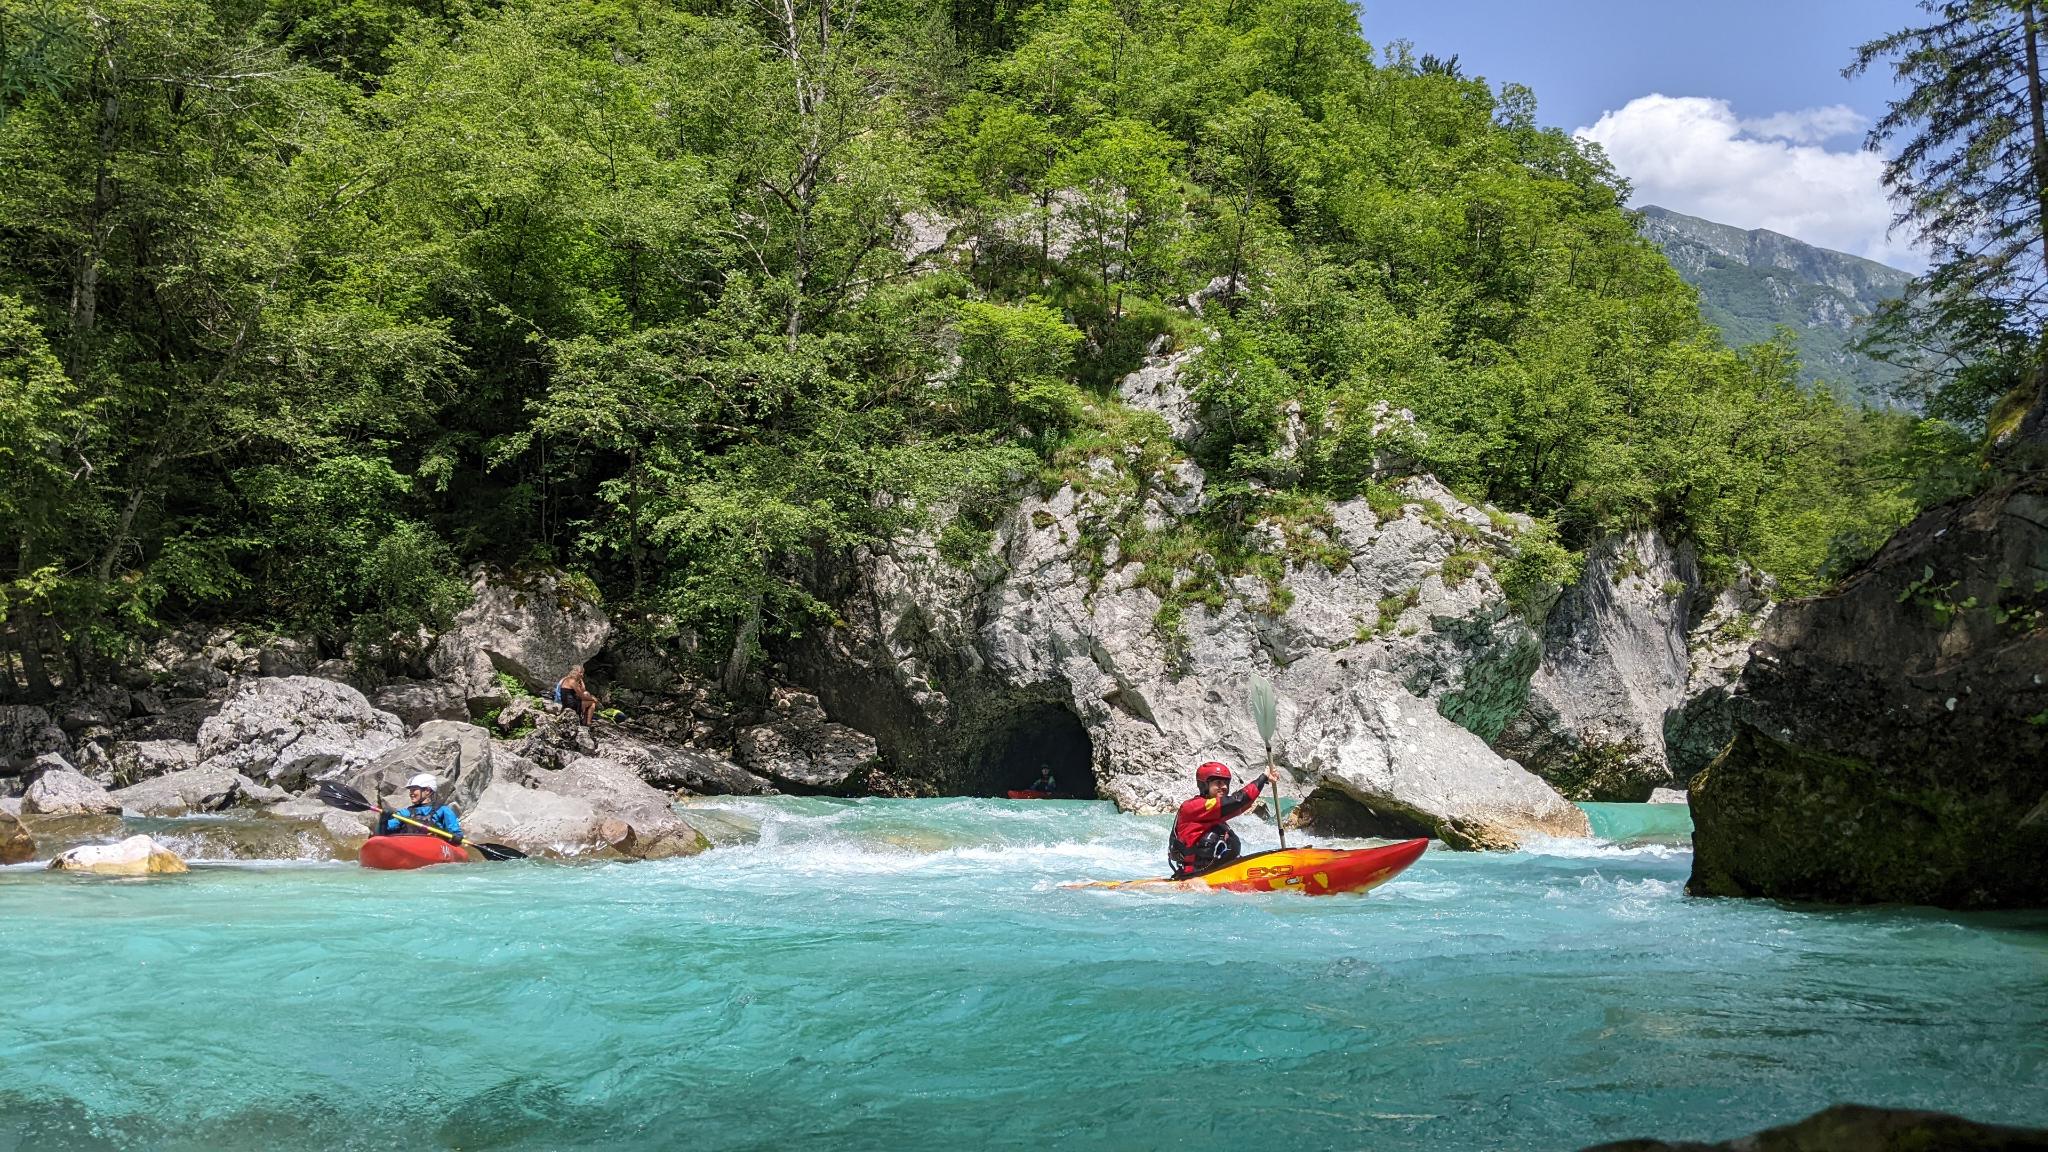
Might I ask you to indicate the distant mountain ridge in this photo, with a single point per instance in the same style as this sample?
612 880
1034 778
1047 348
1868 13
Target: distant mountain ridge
1752 280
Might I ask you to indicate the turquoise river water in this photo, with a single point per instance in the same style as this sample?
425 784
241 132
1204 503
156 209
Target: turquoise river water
909 975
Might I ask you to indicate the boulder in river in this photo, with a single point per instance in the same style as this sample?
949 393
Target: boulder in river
16 845
533 626
294 729
797 745
1894 736
206 788
535 820
65 792
1856 1128
457 753
588 806
135 856
1405 769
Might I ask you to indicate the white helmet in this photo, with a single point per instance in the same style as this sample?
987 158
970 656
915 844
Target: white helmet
424 780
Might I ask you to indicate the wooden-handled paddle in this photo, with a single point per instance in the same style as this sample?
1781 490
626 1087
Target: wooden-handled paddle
349 800
1266 714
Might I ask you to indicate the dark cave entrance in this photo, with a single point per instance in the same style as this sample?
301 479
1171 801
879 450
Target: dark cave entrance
1041 733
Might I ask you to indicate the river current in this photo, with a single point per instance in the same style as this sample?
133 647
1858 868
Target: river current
909 975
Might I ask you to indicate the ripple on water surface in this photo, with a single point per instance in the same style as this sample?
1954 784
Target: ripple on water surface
908 975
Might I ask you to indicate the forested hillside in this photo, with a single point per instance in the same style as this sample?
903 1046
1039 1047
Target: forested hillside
1751 281
306 304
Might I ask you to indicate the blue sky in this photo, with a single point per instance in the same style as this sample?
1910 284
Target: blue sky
1735 110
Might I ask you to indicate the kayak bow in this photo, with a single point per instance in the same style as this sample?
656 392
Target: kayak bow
1312 871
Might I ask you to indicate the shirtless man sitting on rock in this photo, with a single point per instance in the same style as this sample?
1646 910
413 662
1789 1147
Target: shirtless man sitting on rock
571 692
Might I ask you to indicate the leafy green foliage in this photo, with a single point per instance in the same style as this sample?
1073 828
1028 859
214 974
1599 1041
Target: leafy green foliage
306 307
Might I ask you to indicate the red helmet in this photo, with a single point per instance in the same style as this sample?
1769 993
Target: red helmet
1211 771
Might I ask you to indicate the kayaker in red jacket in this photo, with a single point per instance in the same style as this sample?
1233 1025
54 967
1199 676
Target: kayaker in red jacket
1202 837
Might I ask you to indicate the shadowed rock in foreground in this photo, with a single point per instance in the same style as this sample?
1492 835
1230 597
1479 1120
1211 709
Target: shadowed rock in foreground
1894 735
1855 1128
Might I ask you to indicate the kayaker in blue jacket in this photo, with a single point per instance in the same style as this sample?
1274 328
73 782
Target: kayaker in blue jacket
421 790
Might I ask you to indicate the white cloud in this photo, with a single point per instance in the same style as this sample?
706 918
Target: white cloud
1692 154
1808 125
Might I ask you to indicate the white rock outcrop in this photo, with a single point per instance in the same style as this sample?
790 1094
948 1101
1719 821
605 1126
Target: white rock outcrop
531 626
1376 616
1614 667
291 730
65 792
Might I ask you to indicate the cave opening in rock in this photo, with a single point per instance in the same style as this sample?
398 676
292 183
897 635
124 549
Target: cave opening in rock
1040 734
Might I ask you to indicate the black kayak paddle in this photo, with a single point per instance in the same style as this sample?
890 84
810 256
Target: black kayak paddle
349 800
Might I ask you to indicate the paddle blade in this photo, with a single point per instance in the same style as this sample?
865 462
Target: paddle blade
495 851
336 795
1265 708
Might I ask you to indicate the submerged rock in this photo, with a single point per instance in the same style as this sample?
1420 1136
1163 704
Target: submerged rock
135 856
1894 737
264 835
1614 667
65 792
292 730
1856 1128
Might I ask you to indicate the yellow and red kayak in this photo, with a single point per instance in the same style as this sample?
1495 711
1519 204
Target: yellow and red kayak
409 852
1313 871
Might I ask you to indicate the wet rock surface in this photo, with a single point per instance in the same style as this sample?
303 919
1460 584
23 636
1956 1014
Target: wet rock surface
135 856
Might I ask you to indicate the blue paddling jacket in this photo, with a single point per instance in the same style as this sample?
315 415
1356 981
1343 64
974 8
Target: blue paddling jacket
439 815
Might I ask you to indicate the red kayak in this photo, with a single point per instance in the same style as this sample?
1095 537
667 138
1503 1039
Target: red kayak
409 852
1312 871
1028 794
